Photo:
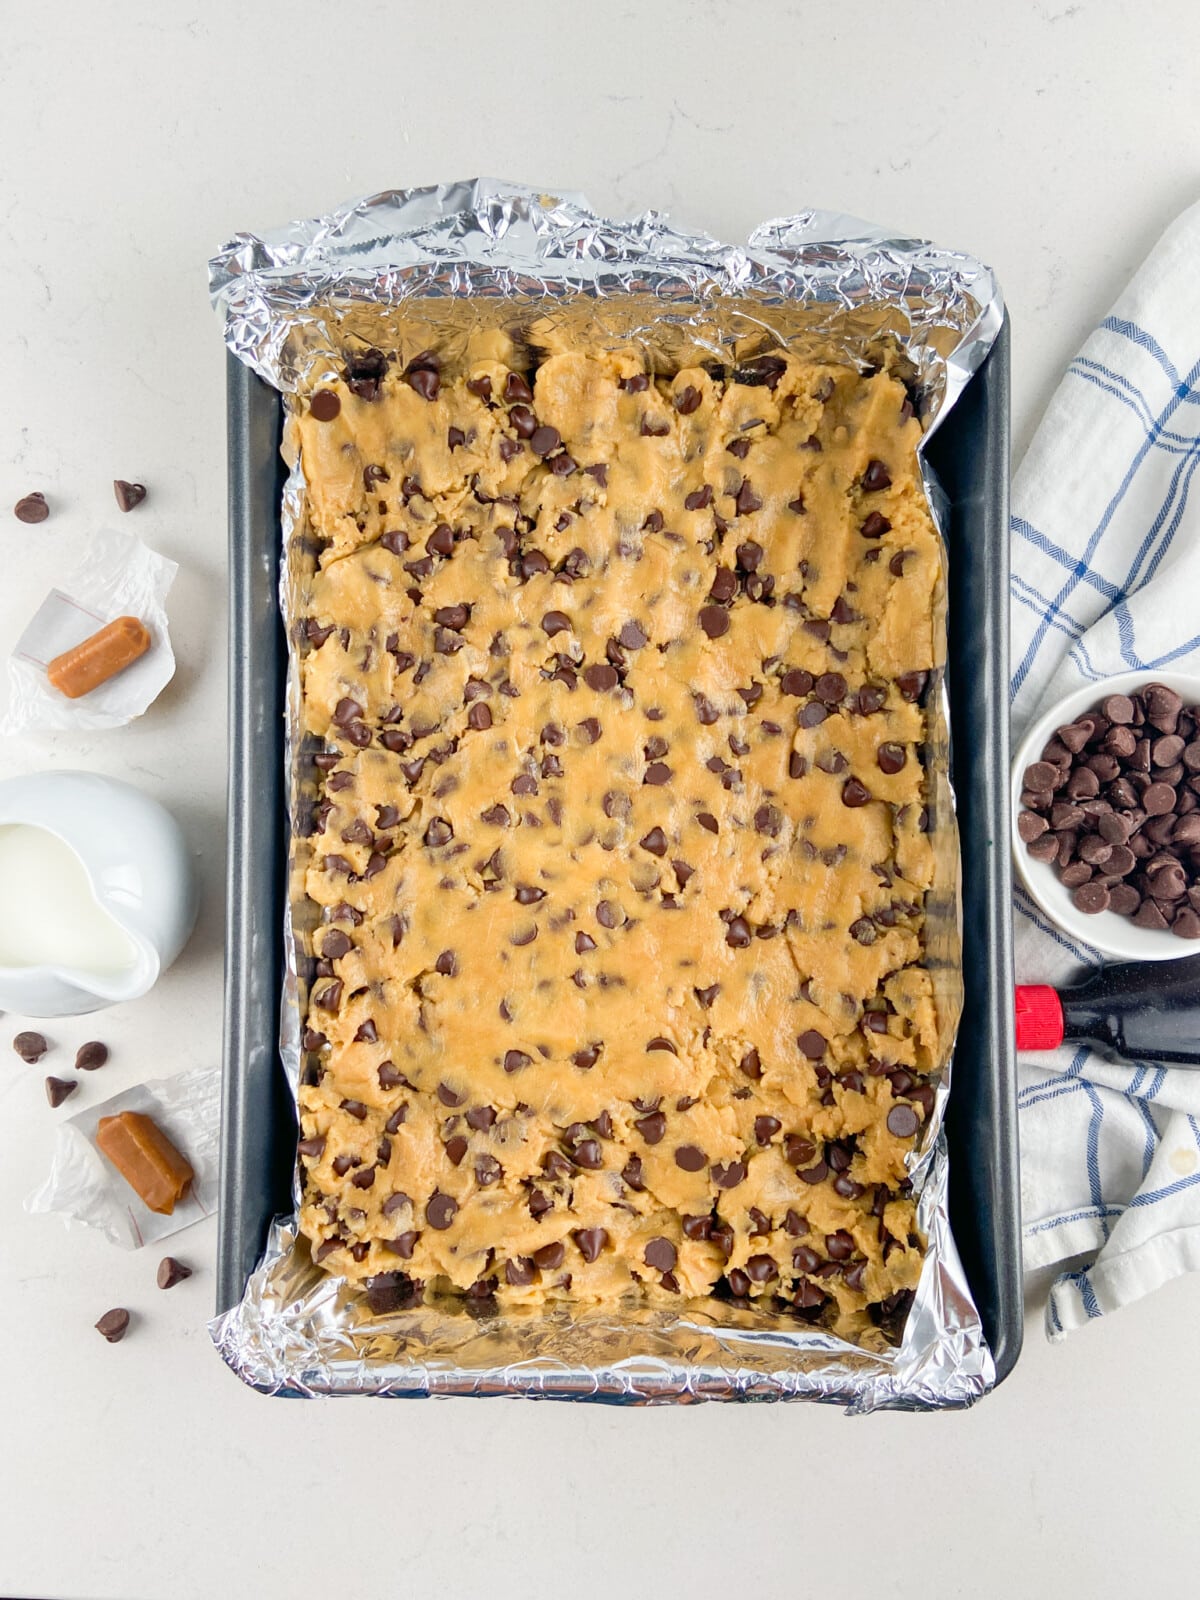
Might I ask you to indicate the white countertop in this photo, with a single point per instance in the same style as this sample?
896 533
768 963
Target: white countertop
1054 140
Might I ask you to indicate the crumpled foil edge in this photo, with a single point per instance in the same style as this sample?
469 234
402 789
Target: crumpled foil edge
299 1331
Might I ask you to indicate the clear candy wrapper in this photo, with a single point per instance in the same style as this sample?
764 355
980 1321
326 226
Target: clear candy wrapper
117 576
87 1190
408 270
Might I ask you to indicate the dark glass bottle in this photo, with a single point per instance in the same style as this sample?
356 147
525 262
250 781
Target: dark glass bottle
1134 1009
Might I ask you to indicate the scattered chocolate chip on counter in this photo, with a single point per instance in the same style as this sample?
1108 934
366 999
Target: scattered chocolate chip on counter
171 1272
90 1056
31 508
128 494
30 1047
1113 806
60 1089
114 1324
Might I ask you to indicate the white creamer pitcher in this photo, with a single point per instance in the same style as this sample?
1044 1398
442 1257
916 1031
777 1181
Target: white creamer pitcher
97 893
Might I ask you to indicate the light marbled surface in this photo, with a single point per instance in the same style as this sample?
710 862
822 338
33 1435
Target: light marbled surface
1055 140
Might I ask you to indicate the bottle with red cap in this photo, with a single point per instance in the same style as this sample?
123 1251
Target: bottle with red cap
1135 1009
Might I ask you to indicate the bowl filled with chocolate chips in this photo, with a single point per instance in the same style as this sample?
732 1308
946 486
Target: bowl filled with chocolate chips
1106 814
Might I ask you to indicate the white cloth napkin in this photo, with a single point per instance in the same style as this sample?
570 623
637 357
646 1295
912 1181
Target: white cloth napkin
1106 579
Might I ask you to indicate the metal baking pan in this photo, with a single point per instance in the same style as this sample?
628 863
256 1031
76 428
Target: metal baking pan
970 454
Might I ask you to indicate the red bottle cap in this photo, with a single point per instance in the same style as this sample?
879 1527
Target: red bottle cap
1039 1017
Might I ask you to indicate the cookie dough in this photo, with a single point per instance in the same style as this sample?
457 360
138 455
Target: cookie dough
620 851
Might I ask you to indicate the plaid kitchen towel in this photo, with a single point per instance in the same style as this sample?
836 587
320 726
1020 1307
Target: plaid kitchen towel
1106 579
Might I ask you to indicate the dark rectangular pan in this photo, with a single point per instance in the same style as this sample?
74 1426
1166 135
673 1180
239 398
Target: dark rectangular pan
970 455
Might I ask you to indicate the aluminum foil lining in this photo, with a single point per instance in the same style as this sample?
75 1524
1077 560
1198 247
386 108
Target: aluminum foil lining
297 301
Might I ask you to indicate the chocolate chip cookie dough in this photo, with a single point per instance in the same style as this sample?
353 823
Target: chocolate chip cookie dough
621 850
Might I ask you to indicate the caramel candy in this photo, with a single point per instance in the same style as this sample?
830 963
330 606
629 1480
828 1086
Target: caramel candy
86 666
145 1158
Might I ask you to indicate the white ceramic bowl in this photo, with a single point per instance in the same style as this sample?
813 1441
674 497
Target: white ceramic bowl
138 866
1107 932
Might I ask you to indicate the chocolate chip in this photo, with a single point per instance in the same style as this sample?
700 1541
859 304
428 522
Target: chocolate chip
690 1158
1163 706
768 820
519 1271
765 1129
324 405
1124 899
875 526
876 476
601 677
94 1054
516 1060
655 842
903 1121
424 379
1150 916
813 714
1158 799
812 1044
651 1127
854 793
609 914
660 1254
556 623
1044 848
830 688
1030 826
796 681
715 621
805 1259
441 1210
912 685
1118 708
657 773
59 1089
730 1175
746 500
31 508
550 1256
1091 898
439 832
30 1047
171 1271
114 1324
890 758
761 1269
516 389
456 1149
128 494
737 933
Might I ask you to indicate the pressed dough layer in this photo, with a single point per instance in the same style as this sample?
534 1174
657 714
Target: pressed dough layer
620 850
